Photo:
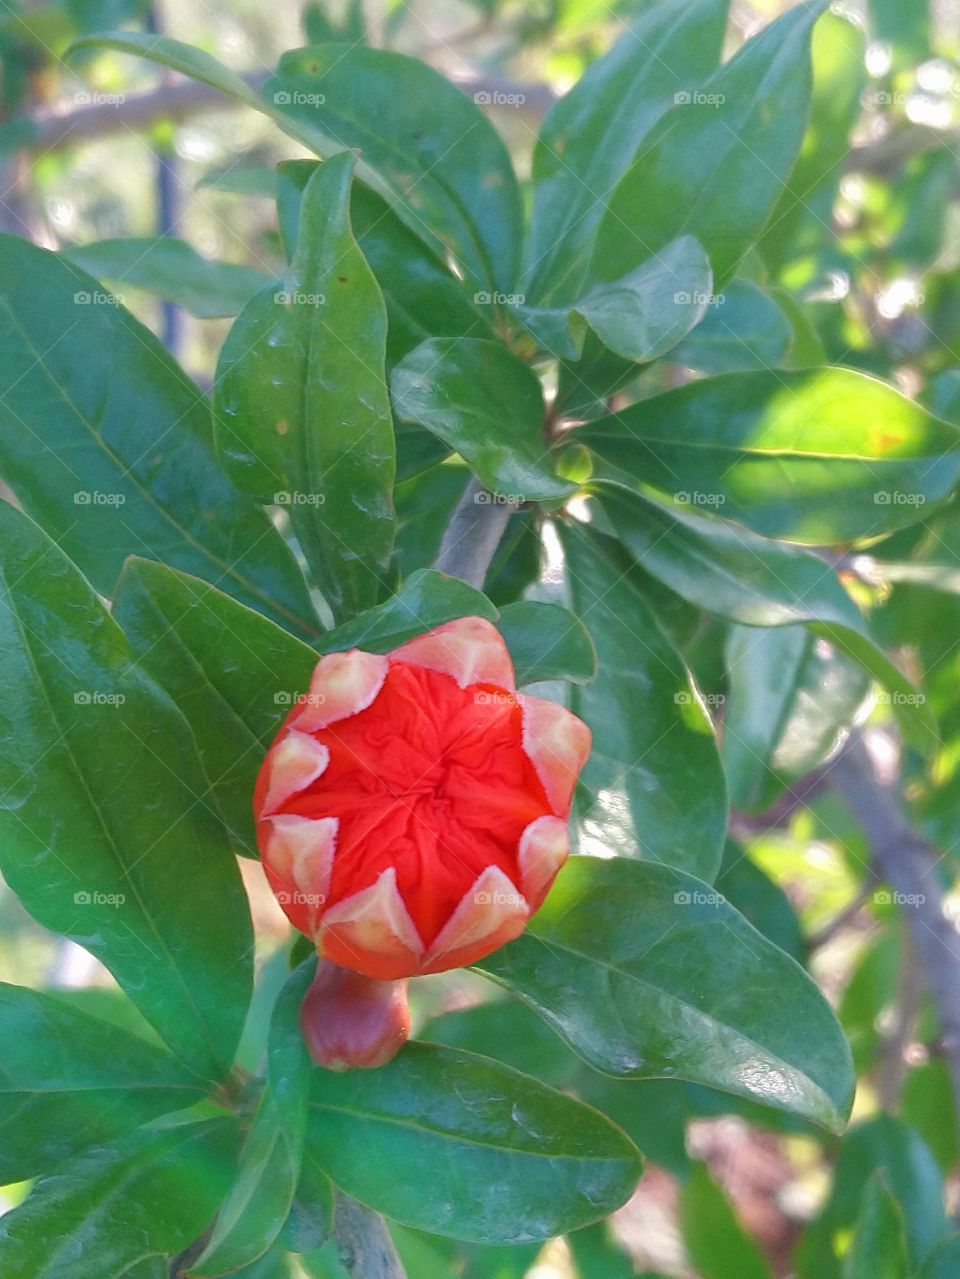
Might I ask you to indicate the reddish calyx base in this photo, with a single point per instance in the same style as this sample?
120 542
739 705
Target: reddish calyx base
350 1021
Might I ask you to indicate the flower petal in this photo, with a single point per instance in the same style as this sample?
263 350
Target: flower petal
343 684
491 913
292 763
470 649
298 858
371 932
557 743
544 847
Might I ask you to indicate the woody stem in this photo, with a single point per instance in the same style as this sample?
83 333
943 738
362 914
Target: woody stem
473 535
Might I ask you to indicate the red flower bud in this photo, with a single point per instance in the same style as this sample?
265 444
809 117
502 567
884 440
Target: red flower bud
348 1020
412 811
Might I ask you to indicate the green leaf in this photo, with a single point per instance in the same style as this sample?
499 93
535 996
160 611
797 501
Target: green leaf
878 1249
815 455
547 642
259 1201
653 785
743 328
486 405
427 149
301 405
312 1211
762 902
593 134
646 971
69 1080
597 1255
520 1161
639 317
425 600
124 438
944 1261
791 701
714 165
176 55
716 1242
173 270
107 835
121 1210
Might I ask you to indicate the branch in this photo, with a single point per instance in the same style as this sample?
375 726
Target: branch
473 534
907 862
363 1242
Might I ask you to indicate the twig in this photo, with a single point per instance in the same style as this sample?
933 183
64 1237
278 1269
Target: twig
907 862
473 534
363 1242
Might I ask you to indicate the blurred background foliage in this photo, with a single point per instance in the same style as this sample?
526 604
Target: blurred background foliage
862 262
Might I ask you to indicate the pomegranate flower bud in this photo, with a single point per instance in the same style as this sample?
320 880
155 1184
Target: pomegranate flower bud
412 811
348 1020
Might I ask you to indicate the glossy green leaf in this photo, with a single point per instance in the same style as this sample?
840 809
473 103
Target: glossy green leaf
107 834
597 1255
311 1214
547 642
639 317
508 1031
653 785
520 1161
486 405
301 405
69 1080
716 1242
426 599
815 455
714 165
878 1249
647 972
259 1201
233 674
122 1210
792 698
743 328
107 444
172 269
421 144
760 901
593 133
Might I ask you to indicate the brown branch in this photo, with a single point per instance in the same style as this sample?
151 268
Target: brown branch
363 1242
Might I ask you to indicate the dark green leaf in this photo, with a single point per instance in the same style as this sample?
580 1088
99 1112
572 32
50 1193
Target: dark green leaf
233 674
646 972
122 1210
520 1161
547 642
301 405
593 133
791 701
638 317
426 599
124 441
597 1255
717 1243
172 269
816 455
486 405
760 901
743 328
878 1249
107 835
311 1213
69 1080
714 165
653 785
422 144
944 1261
262 1193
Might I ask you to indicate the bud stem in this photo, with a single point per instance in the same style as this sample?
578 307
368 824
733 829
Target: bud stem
473 535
